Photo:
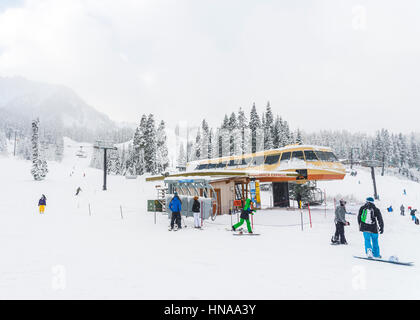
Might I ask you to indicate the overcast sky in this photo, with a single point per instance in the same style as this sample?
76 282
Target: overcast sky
322 64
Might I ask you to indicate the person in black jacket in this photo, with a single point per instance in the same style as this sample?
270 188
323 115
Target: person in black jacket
370 223
413 214
299 200
196 210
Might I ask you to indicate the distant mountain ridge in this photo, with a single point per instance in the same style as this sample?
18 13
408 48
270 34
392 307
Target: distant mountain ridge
56 106
29 99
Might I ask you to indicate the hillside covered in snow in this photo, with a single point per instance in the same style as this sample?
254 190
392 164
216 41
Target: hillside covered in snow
106 245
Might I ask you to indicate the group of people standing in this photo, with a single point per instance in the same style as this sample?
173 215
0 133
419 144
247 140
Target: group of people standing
370 223
175 205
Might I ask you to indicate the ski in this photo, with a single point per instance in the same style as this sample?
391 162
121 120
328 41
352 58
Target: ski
387 261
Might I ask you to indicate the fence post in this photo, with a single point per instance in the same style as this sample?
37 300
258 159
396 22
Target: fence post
301 218
121 212
310 218
90 213
325 199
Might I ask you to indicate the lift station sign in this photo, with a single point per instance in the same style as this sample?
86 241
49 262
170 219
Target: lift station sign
254 187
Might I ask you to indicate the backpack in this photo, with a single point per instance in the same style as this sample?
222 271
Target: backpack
368 216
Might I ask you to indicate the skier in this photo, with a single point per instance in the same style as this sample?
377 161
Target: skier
42 203
390 209
299 200
368 218
413 214
402 209
405 192
246 211
175 206
196 211
78 191
340 222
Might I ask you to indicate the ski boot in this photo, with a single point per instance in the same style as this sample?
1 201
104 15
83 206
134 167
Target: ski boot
334 240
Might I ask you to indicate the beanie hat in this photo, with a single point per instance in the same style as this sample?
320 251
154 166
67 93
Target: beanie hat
370 199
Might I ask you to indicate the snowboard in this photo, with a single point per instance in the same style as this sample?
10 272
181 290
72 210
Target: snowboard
246 234
387 261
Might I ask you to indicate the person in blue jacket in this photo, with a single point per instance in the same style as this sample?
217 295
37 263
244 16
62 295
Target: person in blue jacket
42 203
175 206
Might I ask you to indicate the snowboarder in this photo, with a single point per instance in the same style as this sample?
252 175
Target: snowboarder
78 191
413 214
196 210
390 209
340 222
42 203
405 192
402 209
246 211
368 218
175 206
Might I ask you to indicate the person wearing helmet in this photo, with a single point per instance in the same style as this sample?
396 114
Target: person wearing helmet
246 211
370 223
340 222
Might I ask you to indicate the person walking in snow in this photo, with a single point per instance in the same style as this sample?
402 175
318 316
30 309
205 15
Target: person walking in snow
340 223
402 209
370 223
42 203
246 211
175 206
196 210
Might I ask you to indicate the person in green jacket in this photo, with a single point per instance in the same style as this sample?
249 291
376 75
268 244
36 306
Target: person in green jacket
246 211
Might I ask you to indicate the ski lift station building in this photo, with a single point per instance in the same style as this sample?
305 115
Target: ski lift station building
232 179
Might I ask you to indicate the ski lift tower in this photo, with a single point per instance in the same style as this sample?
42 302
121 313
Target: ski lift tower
372 164
104 145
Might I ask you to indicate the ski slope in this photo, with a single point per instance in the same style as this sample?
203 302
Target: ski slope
71 254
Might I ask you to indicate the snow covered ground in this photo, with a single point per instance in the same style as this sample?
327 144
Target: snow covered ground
69 254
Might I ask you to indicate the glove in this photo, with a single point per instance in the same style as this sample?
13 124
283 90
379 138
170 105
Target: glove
347 223
381 231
